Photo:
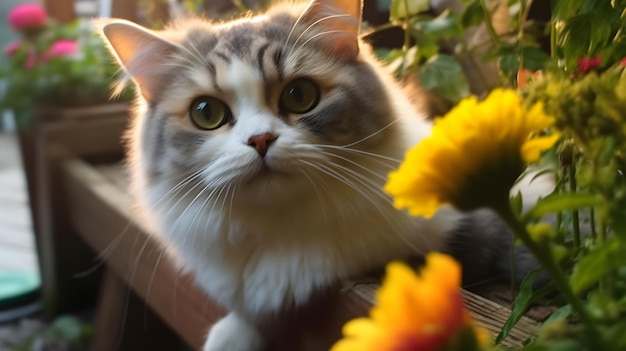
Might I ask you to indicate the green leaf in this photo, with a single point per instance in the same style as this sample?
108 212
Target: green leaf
444 75
565 8
582 36
534 58
616 333
559 315
517 203
595 265
562 202
426 47
472 14
520 305
398 8
68 327
444 26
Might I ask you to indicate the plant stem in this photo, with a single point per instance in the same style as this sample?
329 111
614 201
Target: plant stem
489 24
553 39
592 223
546 260
407 36
571 169
405 27
381 27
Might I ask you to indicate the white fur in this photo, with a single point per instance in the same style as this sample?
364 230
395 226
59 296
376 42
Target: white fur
233 333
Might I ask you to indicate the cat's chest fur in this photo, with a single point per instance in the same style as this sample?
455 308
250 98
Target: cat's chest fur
256 261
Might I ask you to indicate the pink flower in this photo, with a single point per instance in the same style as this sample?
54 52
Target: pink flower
623 62
27 16
31 60
61 48
587 64
12 48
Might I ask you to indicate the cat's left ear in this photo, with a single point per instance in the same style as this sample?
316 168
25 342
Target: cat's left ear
343 19
141 52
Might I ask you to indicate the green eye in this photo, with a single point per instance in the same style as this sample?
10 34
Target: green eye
209 113
299 96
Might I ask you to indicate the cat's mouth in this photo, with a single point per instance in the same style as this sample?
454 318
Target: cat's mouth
265 172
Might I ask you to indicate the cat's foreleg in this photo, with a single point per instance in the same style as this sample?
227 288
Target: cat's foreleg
234 333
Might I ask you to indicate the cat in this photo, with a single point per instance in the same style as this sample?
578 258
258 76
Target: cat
259 149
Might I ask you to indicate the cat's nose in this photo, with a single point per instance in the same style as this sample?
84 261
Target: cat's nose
261 142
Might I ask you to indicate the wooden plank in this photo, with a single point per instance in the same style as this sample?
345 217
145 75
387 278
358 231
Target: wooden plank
52 113
110 313
100 212
140 258
70 139
126 9
61 10
125 323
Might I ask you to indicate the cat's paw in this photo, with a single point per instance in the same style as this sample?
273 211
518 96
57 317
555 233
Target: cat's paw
232 333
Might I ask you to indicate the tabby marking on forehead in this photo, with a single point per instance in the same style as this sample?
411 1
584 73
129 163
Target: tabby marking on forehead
244 81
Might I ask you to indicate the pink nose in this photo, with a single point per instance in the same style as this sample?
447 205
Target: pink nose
261 142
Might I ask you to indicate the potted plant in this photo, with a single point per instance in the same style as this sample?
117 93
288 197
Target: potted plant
52 65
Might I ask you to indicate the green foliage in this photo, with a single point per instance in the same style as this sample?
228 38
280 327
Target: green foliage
578 30
444 75
583 85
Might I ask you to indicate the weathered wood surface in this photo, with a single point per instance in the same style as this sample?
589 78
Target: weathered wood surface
58 134
102 210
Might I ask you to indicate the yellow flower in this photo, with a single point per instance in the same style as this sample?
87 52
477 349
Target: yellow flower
473 157
416 313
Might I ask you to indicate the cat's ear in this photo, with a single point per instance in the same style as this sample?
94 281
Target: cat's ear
140 51
343 19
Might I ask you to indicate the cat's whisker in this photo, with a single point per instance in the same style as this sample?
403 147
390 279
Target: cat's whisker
313 25
329 193
180 185
232 198
373 173
321 34
169 212
373 134
364 192
192 202
150 282
293 27
395 162
196 54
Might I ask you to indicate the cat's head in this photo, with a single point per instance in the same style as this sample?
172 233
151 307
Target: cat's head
276 103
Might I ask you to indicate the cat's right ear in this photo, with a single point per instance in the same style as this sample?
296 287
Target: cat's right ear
140 51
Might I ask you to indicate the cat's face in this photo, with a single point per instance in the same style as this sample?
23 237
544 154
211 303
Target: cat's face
260 110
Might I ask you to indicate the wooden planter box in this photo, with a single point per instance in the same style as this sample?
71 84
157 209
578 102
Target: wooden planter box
84 214
58 134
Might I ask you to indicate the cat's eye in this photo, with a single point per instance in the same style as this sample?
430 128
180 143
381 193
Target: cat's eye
209 113
299 96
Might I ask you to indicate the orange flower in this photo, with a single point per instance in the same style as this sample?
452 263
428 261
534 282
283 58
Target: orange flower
416 313
524 76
